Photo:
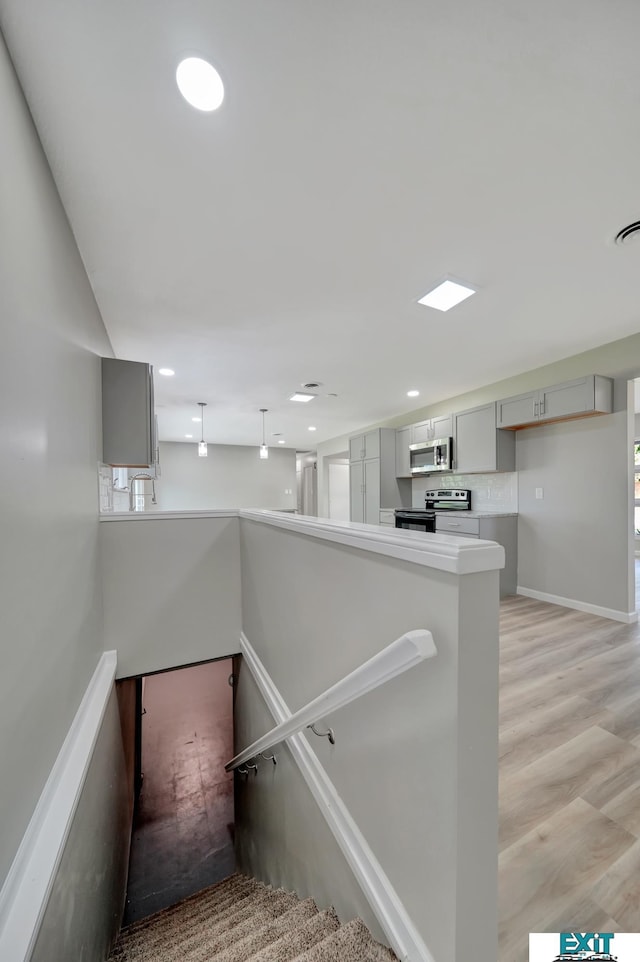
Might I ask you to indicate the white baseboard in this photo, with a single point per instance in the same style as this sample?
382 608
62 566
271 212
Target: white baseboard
25 893
403 937
628 617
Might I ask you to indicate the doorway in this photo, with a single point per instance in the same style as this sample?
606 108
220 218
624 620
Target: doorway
182 838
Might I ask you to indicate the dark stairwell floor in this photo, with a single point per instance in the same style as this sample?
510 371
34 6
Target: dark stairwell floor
183 829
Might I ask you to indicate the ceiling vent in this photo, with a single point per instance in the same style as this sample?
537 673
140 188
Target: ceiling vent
312 384
629 233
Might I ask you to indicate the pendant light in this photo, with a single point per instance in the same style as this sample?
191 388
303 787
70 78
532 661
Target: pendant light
202 444
264 450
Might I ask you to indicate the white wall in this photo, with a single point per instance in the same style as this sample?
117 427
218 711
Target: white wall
415 761
50 438
171 590
232 476
574 542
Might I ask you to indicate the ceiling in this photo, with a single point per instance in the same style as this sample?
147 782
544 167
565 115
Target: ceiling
363 151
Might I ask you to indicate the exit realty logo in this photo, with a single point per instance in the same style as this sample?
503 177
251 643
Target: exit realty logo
584 947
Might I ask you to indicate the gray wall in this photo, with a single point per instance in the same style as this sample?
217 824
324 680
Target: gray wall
574 542
232 476
85 907
49 443
171 590
415 761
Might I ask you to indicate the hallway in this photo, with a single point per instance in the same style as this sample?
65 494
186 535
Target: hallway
183 828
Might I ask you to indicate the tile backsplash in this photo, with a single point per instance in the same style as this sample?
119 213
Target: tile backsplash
489 492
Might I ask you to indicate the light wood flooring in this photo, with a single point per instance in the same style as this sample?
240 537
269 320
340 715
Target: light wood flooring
569 774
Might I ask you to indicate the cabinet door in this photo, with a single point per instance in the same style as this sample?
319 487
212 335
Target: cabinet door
372 445
356 448
421 432
475 441
563 400
127 413
521 409
403 461
372 491
442 427
356 491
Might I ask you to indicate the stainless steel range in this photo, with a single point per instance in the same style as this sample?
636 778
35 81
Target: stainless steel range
438 499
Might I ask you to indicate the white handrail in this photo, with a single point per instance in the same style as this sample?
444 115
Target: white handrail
403 653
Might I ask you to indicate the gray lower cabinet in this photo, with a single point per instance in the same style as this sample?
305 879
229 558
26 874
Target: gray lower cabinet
502 530
128 420
478 445
578 398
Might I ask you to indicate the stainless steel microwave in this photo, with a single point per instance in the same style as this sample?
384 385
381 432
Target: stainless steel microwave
429 456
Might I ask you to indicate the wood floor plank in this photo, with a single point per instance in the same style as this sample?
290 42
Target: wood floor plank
544 873
618 890
579 767
569 774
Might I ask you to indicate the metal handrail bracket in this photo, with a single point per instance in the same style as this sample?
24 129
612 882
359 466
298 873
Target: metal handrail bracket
403 653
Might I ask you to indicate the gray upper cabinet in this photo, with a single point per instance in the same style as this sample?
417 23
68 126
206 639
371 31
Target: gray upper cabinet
128 421
403 461
478 445
579 398
364 446
440 427
421 431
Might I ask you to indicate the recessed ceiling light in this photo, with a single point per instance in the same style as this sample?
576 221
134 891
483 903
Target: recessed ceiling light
197 420
188 435
166 371
200 84
446 295
413 393
282 441
301 396
312 428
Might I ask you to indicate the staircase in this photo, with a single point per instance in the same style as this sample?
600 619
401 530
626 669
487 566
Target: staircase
242 920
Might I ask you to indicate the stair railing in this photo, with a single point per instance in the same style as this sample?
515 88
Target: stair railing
403 653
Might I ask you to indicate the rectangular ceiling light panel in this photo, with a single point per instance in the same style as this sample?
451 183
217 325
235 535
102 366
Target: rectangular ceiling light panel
301 396
446 295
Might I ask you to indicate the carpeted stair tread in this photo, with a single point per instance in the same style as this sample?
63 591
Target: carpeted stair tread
210 933
224 915
257 938
303 937
243 920
211 899
350 943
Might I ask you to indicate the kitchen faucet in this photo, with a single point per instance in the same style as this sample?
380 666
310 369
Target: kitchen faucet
141 477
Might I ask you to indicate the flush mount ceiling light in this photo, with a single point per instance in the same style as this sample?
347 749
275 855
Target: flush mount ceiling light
202 444
282 441
264 450
188 435
446 295
312 428
166 371
413 393
200 84
302 396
